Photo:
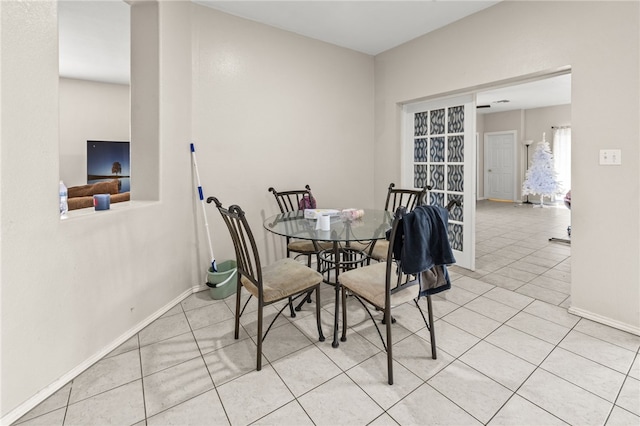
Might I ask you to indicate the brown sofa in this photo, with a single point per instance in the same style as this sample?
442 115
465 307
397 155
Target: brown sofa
80 197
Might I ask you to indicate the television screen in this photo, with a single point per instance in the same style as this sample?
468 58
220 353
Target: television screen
107 160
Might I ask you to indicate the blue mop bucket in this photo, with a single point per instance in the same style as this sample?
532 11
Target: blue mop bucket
222 283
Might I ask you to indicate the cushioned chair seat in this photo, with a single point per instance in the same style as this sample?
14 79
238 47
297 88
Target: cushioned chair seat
282 279
379 250
369 283
307 247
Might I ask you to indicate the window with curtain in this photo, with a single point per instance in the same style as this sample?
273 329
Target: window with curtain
562 155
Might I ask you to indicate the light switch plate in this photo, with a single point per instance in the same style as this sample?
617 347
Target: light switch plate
610 157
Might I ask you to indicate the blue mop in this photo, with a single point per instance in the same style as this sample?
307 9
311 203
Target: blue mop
204 211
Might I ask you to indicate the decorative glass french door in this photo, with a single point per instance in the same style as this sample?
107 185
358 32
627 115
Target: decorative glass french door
439 151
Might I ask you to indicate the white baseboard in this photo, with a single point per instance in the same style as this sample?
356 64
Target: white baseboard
604 320
52 388
199 288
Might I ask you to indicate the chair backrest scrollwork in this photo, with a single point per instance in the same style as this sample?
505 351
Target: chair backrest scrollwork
247 256
289 201
409 198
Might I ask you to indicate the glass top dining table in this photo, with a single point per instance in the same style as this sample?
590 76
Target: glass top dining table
372 225
366 230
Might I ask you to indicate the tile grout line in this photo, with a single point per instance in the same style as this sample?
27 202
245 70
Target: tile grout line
66 407
539 367
185 361
144 399
515 392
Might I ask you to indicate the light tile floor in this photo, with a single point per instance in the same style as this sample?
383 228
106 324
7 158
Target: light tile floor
509 353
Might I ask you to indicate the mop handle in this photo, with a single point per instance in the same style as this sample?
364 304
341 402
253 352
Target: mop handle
204 211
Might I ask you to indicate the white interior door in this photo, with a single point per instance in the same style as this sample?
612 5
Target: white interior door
500 165
439 150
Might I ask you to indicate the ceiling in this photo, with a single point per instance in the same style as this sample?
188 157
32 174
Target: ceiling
93 39
94 36
369 27
536 94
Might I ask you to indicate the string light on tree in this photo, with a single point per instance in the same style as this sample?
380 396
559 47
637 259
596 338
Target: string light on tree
541 178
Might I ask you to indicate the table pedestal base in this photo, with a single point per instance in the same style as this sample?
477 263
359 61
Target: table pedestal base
337 260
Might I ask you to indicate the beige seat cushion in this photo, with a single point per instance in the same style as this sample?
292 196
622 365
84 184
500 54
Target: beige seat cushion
379 250
369 282
307 247
282 279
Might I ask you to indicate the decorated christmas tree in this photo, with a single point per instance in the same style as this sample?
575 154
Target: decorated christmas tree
541 178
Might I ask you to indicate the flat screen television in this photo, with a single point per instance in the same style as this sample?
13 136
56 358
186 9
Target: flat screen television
107 160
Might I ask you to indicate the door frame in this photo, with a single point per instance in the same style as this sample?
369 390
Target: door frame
514 160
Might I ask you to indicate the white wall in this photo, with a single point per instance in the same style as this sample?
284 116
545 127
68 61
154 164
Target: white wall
267 108
89 111
72 289
541 120
272 108
502 121
535 37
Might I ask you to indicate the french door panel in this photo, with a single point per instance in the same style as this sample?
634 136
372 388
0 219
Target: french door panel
439 150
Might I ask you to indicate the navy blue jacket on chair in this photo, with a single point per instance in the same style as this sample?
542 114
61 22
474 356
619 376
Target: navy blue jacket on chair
422 246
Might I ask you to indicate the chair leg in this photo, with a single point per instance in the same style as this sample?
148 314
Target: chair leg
293 314
307 299
387 316
432 331
318 320
237 326
260 337
393 320
344 314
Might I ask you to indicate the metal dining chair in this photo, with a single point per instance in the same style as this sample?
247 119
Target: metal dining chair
396 197
384 285
289 201
285 279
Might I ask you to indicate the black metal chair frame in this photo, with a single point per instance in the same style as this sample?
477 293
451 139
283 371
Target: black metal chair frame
397 197
249 266
289 201
409 198
398 284
393 285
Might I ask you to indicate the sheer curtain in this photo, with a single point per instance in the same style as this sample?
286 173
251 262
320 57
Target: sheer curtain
562 156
